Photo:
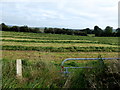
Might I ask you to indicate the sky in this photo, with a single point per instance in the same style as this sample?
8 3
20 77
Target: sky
74 14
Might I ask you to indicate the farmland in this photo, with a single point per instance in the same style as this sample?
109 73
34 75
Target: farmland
43 53
57 43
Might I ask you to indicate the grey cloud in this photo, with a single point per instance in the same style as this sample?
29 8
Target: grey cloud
72 14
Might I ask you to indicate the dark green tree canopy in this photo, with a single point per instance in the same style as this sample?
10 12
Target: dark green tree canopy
97 31
108 31
5 27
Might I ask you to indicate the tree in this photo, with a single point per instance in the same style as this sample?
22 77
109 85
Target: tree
36 30
58 31
87 30
49 30
81 33
108 31
118 32
45 30
15 28
98 31
69 32
63 31
24 29
5 27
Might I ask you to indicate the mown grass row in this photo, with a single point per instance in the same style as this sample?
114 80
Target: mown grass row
54 41
56 44
62 49
65 37
42 36
102 40
48 41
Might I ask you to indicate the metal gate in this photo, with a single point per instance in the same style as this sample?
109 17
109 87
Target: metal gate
66 68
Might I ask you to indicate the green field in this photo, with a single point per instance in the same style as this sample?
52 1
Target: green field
42 55
58 43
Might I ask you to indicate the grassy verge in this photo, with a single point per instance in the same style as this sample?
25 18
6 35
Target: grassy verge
42 74
36 74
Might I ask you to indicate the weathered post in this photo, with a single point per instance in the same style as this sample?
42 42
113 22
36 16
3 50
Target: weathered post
19 68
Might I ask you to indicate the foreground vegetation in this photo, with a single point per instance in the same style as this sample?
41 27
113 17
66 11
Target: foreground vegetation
42 55
42 74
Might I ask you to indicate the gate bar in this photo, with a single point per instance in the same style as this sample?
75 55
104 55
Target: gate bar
82 59
87 59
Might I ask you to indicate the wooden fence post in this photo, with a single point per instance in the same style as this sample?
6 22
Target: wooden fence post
19 68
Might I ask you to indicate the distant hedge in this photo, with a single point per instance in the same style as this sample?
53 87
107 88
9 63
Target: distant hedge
45 30
19 28
64 31
107 32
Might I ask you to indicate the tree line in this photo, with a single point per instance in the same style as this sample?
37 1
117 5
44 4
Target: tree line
107 32
64 31
19 28
46 30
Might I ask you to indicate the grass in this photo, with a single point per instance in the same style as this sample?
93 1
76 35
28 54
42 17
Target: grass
62 49
42 55
36 74
56 44
47 41
102 76
43 36
54 57
44 74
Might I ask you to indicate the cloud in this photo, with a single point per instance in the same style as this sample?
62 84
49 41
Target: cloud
119 14
28 1
60 13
